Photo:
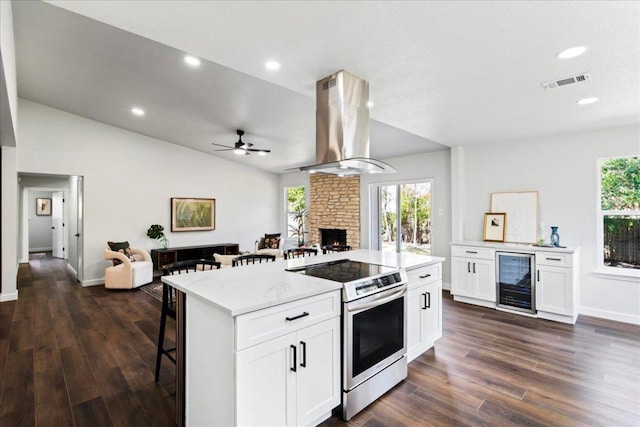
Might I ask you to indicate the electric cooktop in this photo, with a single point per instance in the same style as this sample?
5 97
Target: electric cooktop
359 278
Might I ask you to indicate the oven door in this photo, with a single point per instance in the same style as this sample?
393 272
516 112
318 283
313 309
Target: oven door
375 334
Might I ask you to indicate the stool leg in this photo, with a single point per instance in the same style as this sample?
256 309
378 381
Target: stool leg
163 323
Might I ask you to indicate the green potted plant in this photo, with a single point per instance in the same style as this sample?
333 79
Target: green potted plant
156 231
299 217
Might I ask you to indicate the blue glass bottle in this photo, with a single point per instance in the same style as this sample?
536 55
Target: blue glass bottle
555 237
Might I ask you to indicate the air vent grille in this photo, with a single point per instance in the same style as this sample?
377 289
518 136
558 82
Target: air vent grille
582 77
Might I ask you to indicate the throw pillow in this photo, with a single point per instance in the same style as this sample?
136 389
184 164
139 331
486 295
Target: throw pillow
261 243
272 242
123 248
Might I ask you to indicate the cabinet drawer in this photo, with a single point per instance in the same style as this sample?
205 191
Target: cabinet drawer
473 252
554 258
262 325
423 275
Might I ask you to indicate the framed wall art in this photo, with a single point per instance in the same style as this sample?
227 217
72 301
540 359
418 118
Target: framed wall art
193 214
522 210
495 225
43 207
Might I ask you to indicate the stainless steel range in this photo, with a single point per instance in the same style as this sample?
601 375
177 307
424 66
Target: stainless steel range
374 328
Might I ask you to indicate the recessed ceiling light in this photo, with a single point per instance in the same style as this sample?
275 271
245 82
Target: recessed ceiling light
369 104
262 153
137 111
272 65
312 171
587 101
572 52
192 60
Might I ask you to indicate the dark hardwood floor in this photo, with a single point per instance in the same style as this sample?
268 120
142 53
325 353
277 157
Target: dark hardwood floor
85 356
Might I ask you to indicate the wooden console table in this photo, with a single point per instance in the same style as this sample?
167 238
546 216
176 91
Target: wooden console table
162 257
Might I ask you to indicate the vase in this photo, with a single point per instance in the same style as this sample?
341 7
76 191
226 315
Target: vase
555 237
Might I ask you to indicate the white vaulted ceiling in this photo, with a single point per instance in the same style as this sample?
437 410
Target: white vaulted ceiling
450 73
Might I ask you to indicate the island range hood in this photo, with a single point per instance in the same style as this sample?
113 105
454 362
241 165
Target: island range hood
342 127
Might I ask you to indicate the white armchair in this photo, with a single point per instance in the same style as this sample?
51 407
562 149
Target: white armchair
260 248
128 274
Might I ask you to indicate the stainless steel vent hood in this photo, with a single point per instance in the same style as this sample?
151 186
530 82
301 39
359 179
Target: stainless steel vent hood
342 127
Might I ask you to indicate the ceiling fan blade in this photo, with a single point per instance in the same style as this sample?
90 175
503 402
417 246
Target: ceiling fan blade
220 145
258 150
225 149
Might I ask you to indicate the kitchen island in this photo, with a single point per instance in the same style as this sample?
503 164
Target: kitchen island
261 345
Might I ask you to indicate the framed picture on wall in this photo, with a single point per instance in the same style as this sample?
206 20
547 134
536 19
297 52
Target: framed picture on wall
494 227
193 214
43 207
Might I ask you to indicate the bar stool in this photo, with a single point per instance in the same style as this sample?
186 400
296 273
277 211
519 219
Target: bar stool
169 302
299 252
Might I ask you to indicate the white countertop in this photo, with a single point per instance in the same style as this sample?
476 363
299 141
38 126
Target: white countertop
513 247
254 287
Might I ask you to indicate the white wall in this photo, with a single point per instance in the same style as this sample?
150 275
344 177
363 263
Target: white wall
129 180
563 169
9 88
8 128
40 235
435 166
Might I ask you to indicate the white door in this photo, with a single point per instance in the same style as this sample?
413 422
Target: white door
318 370
266 383
57 224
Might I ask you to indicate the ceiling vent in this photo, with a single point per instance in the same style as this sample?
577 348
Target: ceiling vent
583 77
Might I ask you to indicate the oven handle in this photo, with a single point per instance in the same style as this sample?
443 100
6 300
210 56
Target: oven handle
366 306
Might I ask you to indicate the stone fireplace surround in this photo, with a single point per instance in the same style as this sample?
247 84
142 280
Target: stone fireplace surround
334 203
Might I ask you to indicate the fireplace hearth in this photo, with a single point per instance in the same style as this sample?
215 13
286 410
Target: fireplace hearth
333 237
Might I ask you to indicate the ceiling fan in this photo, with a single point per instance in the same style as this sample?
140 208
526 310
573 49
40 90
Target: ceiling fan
242 148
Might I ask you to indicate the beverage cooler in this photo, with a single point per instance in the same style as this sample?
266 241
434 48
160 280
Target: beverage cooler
515 285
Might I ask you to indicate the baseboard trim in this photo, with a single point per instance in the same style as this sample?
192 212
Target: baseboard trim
92 282
49 249
446 286
72 270
610 315
13 296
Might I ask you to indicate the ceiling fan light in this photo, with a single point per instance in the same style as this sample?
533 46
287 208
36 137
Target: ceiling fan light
240 152
262 153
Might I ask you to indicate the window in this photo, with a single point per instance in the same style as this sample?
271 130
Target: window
619 214
402 217
296 213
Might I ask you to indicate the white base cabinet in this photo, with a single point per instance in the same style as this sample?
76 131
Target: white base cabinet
424 309
291 380
556 286
473 277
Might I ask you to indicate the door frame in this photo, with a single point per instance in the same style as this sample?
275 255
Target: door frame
24 219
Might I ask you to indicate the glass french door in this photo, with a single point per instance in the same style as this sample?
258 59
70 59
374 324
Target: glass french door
404 217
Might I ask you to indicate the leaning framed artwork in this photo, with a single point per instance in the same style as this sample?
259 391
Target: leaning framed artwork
193 214
494 227
43 207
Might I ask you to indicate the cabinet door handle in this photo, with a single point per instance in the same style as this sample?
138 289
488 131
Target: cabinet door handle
474 268
424 276
303 361
427 300
553 259
304 314
424 301
468 267
471 252
538 275
295 363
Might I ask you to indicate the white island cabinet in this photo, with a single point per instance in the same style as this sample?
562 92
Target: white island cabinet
262 345
424 309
